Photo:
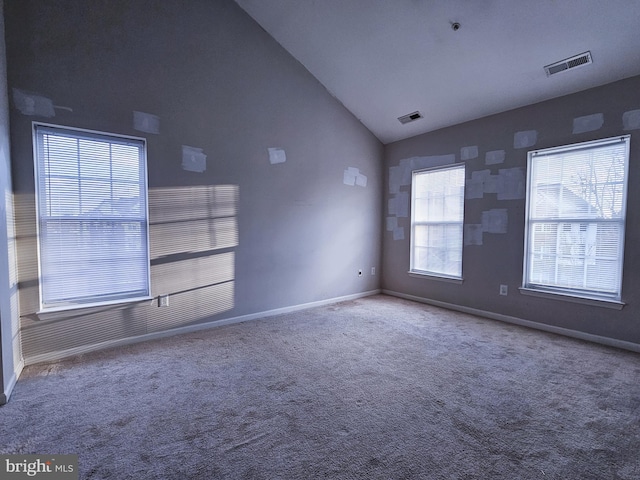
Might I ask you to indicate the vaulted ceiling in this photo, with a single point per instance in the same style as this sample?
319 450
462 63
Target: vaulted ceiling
387 58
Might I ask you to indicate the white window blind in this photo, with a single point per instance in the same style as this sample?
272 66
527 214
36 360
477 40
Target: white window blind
92 217
437 217
576 204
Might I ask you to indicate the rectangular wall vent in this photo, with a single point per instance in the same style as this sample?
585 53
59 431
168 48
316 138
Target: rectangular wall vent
410 117
568 63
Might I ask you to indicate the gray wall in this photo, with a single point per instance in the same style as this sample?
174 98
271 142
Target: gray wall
9 329
243 237
499 259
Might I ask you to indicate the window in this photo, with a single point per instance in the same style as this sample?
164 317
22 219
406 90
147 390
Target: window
92 217
575 220
437 215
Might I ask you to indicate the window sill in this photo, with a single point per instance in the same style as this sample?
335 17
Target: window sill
57 312
595 302
435 276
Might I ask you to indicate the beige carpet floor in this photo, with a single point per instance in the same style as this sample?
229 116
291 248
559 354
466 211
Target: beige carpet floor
376 388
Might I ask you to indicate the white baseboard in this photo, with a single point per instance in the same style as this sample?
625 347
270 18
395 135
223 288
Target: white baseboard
611 342
4 397
51 356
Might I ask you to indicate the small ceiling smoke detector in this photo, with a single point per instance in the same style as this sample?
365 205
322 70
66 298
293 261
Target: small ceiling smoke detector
410 117
569 63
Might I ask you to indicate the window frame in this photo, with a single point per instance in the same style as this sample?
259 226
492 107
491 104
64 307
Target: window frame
428 273
80 133
585 296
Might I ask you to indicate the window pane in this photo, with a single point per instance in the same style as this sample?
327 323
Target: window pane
437 220
93 228
575 221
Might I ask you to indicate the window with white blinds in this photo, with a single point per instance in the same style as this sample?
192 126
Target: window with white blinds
437 217
576 203
92 217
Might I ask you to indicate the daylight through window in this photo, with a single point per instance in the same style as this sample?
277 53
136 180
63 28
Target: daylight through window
92 217
437 216
576 202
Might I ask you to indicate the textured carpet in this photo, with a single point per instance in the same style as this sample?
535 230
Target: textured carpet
366 389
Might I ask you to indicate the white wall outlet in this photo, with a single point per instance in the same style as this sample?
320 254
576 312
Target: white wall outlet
373 270
504 290
163 301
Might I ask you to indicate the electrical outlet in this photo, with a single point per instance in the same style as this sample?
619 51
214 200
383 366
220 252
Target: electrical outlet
503 289
163 301
373 270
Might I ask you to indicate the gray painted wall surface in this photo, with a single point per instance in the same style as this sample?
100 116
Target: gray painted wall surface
499 259
243 237
9 329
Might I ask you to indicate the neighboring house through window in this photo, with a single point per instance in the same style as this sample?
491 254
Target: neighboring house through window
575 219
92 217
437 216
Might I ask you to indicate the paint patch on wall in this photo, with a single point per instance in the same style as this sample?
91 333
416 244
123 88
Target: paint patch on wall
352 176
473 234
395 179
495 220
146 122
398 233
588 123
392 223
475 186
511 183
193 159
491 183
494 157
30 104
361 180
398 205
631 120
525 139
277 155
418 163
468 153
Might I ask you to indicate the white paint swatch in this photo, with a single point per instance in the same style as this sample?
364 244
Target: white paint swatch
473 234
395 179
494 157
392 223
631 120
398 233
511 184
398 205
495 220
352 176
361 180
491 183
588 123
193 159
474 188
277 155
525 139
402 204
468 153
30 104
349 176
146 122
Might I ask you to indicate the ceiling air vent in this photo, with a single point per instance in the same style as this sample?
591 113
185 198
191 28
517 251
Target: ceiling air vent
410 117
568 63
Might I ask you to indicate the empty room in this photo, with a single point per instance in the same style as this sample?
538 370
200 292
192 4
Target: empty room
299 239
